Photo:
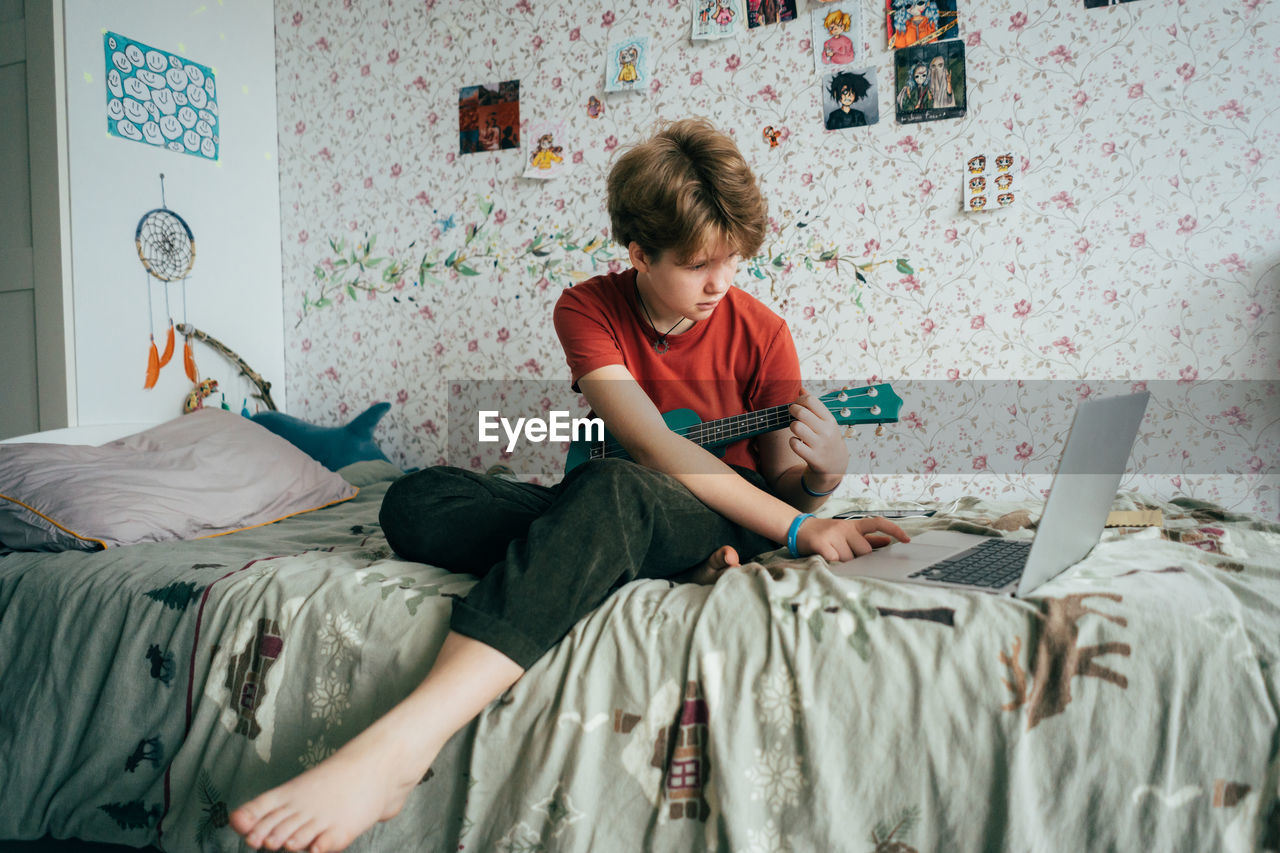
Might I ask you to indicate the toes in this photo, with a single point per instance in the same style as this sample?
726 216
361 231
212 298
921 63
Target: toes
266 825
284 831
247 818
722 558
302 836
330 841
244 819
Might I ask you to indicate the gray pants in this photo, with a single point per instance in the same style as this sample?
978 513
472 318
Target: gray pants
548 555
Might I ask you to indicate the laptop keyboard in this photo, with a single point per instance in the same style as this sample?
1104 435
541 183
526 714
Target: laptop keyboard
992 564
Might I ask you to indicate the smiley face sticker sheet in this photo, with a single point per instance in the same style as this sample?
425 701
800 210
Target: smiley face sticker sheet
989 181
160 99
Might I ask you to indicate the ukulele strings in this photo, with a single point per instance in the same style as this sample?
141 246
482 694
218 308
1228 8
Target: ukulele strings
775 418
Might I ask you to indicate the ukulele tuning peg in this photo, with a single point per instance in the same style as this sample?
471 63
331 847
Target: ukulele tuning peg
872 392
880 430
875 410
842 396
844 413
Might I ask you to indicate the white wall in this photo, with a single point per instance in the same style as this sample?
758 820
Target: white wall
231 205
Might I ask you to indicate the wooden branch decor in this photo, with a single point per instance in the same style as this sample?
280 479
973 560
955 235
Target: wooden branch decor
264 387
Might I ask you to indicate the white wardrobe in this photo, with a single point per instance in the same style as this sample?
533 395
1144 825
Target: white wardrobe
77 306
36 387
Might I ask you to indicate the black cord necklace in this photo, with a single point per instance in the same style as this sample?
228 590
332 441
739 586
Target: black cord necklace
660 345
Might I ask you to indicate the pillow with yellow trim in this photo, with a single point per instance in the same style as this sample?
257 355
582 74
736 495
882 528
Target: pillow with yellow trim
203 474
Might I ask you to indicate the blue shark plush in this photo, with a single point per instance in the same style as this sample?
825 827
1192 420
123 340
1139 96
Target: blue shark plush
332 447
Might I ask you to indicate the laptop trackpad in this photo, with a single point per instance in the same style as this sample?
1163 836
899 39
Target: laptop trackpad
897 561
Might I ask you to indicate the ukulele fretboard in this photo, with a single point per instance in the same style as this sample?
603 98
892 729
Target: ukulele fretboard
728 430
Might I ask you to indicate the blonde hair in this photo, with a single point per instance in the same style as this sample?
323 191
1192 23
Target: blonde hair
686 188
835 16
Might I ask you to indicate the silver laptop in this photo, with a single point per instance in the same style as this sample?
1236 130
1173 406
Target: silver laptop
1075 513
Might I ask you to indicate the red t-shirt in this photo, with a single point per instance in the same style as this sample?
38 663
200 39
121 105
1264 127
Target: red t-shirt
740 359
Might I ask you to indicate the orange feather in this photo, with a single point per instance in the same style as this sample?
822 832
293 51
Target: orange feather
168 347
153 366
189 360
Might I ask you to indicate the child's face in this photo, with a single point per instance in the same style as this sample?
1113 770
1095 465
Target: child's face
835 29
847 97
690 289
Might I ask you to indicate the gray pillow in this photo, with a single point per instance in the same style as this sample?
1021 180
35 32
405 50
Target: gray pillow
370 471
203 474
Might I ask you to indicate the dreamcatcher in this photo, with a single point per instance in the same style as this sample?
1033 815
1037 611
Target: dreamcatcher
167 251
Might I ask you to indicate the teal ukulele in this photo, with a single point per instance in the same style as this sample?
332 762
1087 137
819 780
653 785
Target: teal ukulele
872 404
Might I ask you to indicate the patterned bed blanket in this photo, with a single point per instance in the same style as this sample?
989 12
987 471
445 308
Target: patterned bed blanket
145 691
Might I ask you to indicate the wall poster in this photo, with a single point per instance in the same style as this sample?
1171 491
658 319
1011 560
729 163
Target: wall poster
160 99
929 82
489 117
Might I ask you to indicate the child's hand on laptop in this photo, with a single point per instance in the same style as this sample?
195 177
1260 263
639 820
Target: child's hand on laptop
840 539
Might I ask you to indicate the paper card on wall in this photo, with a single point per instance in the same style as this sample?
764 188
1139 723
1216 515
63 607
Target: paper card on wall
929 82
989 180
850 98
837 36
716 19
909 22
160 99
544 154
761 12
489 117
627 66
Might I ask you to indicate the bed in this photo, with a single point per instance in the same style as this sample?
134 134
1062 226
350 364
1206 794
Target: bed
147 689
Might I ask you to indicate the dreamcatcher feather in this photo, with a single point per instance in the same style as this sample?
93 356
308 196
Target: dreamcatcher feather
167 250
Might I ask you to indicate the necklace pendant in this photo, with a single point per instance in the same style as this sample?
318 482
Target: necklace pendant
660 346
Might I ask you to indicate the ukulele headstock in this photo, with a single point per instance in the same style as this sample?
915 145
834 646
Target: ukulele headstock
868 404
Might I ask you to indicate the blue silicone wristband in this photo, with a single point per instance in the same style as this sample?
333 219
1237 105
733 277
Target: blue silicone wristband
794 530
811 493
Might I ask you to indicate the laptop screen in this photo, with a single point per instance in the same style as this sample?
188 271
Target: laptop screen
1084 486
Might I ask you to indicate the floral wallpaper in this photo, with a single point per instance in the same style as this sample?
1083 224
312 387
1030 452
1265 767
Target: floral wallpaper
1143 250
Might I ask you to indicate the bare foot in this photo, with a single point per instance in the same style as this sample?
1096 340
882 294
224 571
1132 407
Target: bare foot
725 557
325 808
369 779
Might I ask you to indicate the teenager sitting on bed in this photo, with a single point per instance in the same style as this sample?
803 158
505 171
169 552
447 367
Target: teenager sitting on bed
672 332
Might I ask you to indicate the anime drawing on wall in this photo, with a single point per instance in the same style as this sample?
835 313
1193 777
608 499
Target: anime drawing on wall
929 82
850 98
911 22
544 157
1095 4
837 36
489 117
627 68
160 99
761 12
716 19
